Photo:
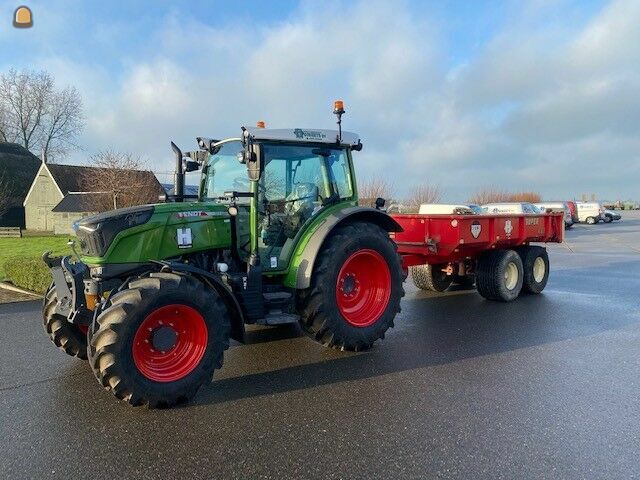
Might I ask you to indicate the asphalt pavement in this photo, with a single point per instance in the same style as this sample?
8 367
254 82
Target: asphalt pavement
545 387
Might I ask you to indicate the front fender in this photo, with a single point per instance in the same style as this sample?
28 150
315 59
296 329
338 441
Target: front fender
304 257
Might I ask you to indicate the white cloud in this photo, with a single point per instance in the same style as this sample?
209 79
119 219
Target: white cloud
541 106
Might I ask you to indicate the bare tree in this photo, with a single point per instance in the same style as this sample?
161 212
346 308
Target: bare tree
494 195
531 197
373 187
424 194
120 181
6 193
35 114
488 195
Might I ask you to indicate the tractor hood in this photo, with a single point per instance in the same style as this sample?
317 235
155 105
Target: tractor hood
152 232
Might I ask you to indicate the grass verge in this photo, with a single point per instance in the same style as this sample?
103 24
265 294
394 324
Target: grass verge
21 263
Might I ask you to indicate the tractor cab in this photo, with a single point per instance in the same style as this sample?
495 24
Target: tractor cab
280 178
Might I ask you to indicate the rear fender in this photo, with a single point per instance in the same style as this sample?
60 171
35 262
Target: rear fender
214 282
299 276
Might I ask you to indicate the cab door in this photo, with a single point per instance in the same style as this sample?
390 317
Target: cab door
297 182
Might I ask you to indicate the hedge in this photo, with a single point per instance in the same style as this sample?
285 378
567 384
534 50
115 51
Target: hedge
29 273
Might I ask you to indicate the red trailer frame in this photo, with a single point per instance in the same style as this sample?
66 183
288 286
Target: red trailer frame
439 239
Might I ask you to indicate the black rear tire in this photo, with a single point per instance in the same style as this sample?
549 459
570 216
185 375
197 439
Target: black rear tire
535 262
499 275
111 352
430 277
321 316
65 335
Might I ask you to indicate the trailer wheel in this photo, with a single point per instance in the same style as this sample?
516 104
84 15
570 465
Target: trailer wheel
158 341
499 275
535 261
591 221
68 337
430 277
355 288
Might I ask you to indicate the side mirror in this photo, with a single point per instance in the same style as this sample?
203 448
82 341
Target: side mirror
253 166
190 165
380 203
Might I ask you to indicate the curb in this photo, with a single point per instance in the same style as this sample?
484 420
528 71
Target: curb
13 288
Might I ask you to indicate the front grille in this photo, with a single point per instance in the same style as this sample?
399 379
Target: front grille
95 234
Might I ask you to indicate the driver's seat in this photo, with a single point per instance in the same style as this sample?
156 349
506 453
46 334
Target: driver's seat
300 205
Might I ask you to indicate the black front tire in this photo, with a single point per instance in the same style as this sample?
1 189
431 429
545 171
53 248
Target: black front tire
499 275
430 277
65 335
111 345
320 315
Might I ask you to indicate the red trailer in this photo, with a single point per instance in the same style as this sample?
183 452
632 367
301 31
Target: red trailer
492 251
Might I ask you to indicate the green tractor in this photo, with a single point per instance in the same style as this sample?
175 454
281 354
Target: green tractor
275 235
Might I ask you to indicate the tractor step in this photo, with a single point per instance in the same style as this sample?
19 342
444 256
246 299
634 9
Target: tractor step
278 318
277 300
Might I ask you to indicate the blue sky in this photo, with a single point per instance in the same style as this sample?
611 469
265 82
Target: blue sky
537 95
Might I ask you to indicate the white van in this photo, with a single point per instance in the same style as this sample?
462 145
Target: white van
514 207
444 209
557 207
590 212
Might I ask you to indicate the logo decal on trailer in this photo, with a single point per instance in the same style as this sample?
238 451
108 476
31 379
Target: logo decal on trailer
184 238
508 228
476 228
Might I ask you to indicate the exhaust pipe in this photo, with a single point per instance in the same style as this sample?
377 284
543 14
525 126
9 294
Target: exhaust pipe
178 177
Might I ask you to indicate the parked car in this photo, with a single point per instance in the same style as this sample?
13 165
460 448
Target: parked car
513 207
610 216
477 209
590 212
574 210
444 209
558 207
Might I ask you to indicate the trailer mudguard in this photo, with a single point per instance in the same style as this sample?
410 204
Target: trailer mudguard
235 311
304 258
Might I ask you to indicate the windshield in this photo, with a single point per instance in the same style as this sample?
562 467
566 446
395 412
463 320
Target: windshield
224 173
290 169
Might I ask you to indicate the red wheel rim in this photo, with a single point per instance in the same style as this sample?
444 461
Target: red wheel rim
363 288
170 362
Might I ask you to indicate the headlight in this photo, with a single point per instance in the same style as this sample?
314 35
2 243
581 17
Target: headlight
96 233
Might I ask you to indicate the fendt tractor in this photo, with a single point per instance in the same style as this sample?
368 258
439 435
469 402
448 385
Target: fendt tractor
153 294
